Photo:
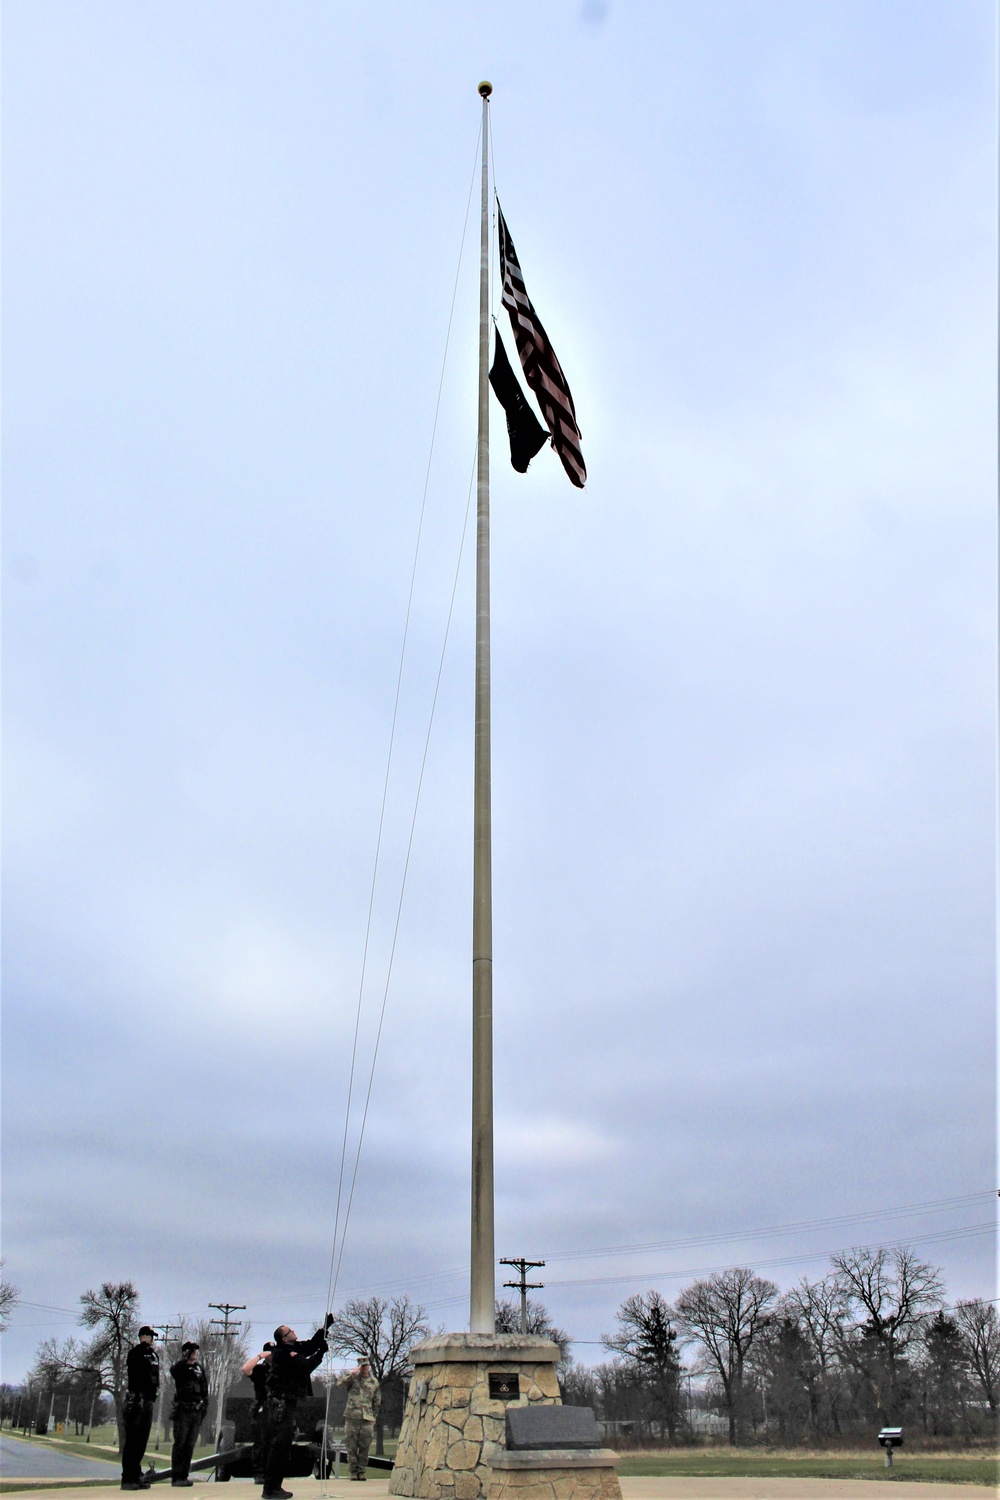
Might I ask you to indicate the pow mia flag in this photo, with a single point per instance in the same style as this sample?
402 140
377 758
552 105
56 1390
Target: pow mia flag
524 430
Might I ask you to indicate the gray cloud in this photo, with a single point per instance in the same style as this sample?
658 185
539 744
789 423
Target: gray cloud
743 685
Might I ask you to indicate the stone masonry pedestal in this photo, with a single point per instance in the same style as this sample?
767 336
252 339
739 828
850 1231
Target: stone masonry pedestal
555 1474
452 1425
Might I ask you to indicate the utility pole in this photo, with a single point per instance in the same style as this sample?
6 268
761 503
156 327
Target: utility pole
90 1418
225 1308
523 1285
169 1330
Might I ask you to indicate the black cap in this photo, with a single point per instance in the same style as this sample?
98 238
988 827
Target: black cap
187 1347
146 1329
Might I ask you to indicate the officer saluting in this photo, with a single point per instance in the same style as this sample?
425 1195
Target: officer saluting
142 1374
257 1369
364 1397
190 1406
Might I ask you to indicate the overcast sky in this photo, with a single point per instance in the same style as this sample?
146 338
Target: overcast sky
743 683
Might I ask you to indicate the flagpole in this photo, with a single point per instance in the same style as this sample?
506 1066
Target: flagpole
482 1286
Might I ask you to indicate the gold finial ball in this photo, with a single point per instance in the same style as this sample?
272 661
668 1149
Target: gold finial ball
485 89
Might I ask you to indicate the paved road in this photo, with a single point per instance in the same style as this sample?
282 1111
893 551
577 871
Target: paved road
21 1460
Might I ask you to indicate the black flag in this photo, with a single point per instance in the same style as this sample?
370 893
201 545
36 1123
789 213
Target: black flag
525 431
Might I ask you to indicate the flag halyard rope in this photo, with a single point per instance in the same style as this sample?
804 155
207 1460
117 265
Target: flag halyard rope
331 1285
340 1228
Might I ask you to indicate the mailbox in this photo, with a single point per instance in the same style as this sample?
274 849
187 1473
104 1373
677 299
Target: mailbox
890 1438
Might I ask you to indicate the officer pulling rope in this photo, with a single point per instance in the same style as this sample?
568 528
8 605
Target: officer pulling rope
291 1362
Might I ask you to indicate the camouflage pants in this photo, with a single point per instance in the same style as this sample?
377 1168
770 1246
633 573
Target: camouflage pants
358 1437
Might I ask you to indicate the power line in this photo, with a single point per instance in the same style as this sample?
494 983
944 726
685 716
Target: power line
800 1226
966 1232
863 1216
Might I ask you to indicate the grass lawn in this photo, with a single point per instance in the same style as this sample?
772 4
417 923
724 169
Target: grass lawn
944 1468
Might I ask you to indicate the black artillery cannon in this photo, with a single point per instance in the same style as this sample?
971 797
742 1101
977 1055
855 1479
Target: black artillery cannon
237 1459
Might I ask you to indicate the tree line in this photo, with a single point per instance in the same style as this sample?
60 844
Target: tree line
870 1344
82 1381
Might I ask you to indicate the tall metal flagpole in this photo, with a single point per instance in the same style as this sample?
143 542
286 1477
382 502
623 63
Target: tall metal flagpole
482 1292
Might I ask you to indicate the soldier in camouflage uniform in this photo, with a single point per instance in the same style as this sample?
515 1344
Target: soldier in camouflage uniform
363 1400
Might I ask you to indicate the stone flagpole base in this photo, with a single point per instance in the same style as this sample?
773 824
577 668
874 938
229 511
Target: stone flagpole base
453 1424
555 1474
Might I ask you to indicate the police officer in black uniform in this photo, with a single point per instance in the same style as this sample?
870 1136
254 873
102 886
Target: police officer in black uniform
188 1412
257 1369
292 1362
142 1373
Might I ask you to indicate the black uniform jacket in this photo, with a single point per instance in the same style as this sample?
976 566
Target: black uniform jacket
190 1384
258 1378
143 1371
292 1364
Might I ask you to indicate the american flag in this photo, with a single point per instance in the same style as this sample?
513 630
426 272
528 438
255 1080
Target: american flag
542 370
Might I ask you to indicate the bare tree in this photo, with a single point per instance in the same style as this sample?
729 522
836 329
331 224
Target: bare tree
223 1356
889 1293
980 1329
9 1294
508 1320
64 1369
113 1312
579 1387
782 1366
819 1309
620 1395
646 1340
382 1332
723 1315
54 1368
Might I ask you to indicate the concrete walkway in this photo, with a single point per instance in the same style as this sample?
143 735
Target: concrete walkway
632 1489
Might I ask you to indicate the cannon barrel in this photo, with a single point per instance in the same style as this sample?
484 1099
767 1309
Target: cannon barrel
227 1456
